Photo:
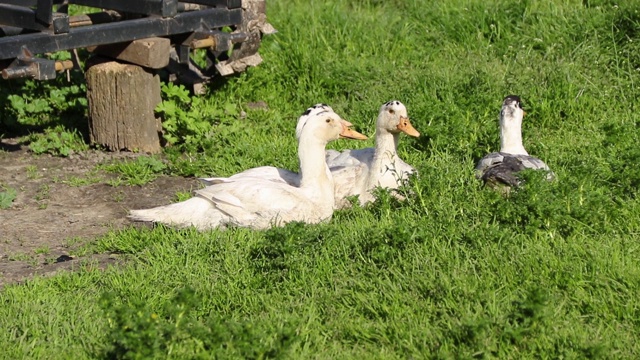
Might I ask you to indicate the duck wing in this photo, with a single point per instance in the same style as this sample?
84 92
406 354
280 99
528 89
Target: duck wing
530 162
502 168
488 161
349 181
504 172
268 173
349 157
258 203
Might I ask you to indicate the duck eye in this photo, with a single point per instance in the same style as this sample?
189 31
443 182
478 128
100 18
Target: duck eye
328 121
391 111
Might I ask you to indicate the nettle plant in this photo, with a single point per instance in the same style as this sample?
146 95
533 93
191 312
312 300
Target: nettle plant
140 171
53 112
39 103
57 141
188 120
7 196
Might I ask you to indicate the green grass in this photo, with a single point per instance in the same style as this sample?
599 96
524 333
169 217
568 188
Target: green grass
456 271
140 171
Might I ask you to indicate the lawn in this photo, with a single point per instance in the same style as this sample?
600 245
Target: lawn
456 270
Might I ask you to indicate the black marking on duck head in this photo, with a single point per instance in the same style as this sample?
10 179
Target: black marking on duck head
307 113
512 99
314 107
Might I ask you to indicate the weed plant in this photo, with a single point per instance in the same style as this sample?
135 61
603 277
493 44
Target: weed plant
456 270
56 141
7 196
140 171
34 105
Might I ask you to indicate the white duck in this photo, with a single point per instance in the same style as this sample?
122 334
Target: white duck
374 167
501 167
272 173
258 203
355 172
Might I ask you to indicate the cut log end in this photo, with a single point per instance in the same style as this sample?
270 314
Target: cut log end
121 100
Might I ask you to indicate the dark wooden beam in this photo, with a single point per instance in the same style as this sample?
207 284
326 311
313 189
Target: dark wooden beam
44 11
24 17
165 8
121 31
229 4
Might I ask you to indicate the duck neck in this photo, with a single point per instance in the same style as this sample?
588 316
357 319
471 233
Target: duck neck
511 137
385 155
314 172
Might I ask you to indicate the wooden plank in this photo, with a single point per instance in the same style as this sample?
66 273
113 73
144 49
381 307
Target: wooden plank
151 53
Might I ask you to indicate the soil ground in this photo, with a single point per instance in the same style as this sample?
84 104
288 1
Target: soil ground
50 217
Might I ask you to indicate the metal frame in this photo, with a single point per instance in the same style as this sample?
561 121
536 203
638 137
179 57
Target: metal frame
33 27
121 31
24 17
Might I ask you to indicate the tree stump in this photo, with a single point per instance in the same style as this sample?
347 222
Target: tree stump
121 100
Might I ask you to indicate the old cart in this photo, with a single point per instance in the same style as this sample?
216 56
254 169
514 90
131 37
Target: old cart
132 41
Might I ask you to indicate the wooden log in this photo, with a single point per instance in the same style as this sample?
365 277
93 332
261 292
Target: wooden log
152 52
121 100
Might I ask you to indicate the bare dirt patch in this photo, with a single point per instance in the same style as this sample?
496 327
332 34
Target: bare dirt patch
55 213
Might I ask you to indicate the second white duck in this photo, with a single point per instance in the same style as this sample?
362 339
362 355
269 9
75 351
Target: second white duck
380 166
355 172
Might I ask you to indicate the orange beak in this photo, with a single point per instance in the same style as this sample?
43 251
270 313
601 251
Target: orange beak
406 127
348 133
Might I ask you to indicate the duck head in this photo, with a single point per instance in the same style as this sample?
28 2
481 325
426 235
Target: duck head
311 111
323 124
393 118
511 109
